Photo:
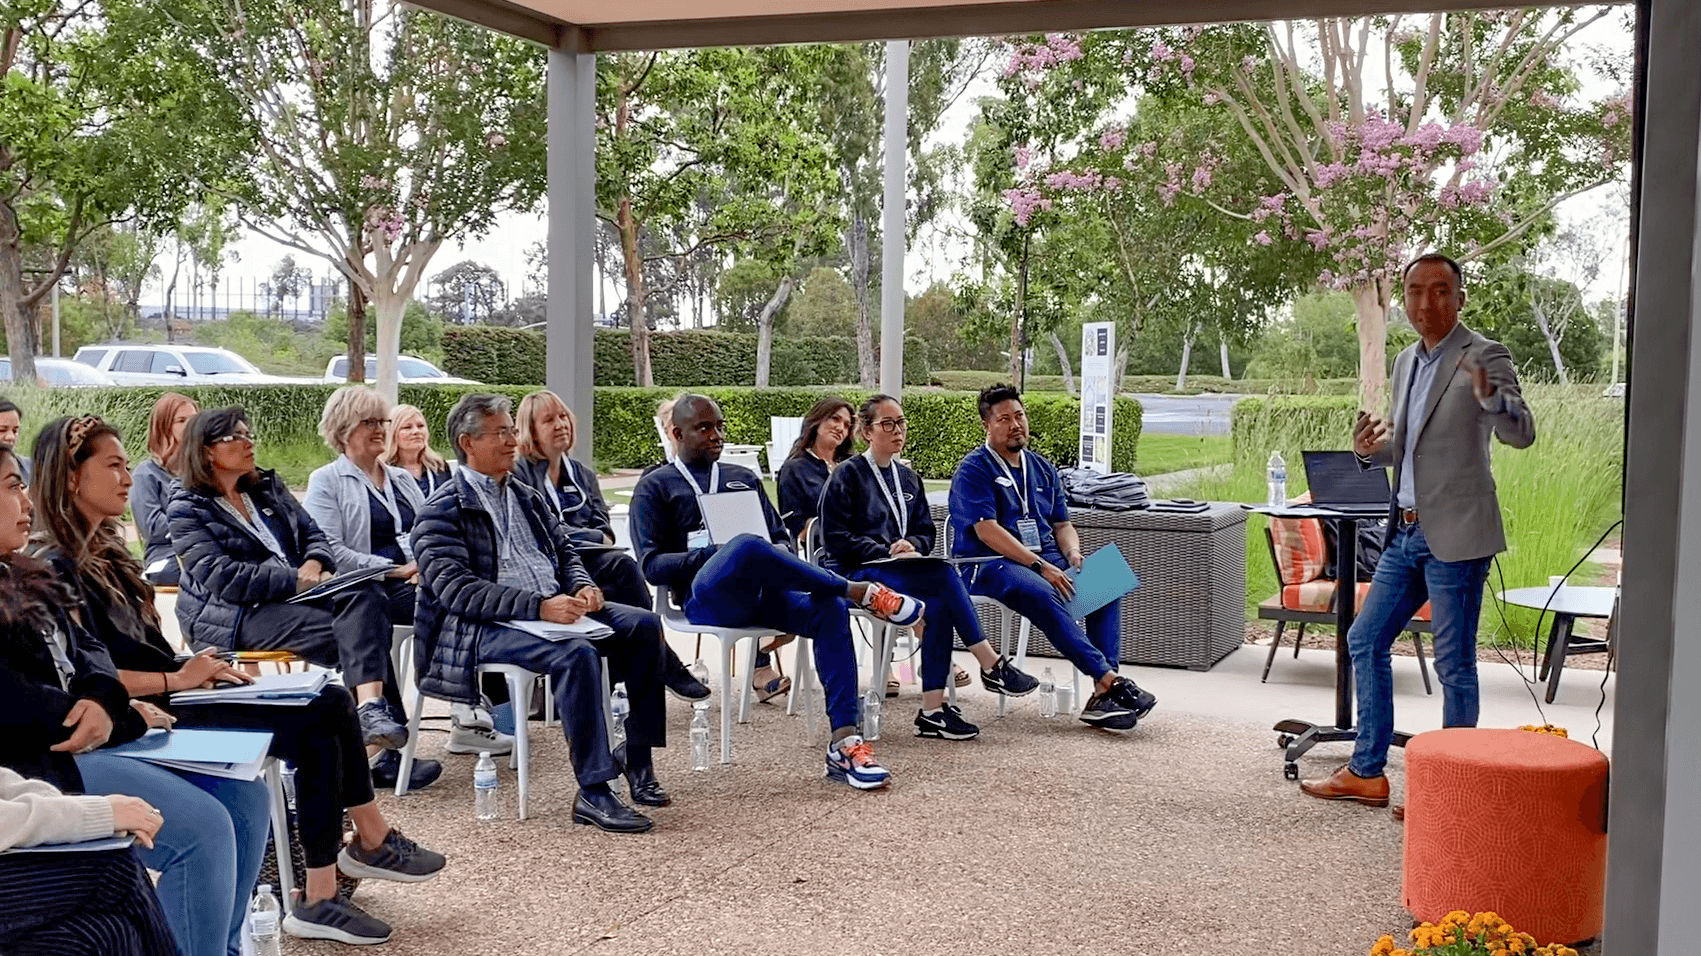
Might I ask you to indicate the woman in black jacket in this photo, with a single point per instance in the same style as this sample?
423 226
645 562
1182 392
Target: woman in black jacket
876 526
82 484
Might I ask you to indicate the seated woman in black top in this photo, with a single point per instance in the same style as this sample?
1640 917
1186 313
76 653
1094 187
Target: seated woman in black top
824 442
82 483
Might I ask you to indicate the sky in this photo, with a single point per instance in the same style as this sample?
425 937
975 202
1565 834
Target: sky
936 254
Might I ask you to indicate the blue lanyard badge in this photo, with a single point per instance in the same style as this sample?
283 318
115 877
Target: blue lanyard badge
1027 528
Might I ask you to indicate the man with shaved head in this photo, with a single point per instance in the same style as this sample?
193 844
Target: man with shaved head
754 581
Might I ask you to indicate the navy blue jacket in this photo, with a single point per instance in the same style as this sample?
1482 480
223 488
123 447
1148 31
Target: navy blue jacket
454 541
588 522
664 513
801 479
226 569
857 525
153 488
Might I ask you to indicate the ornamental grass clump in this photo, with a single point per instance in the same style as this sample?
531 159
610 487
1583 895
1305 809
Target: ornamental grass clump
1461 934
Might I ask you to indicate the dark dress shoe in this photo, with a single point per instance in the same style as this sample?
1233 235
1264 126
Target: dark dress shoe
1399 812
1343 784
389 767
599 807
645 788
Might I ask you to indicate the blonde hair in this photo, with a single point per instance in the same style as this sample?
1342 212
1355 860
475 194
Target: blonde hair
531 407
345 410
402 415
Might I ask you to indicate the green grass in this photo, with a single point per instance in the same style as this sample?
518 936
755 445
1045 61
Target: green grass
1161 454
974 380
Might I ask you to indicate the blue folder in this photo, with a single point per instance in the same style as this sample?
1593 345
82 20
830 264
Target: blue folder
1104 577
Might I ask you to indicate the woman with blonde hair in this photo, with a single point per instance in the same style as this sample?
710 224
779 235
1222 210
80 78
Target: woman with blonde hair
156 480
409 448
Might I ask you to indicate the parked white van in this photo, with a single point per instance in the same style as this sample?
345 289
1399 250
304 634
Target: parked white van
174 365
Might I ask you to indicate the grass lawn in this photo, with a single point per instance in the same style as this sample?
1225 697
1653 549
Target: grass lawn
1161 454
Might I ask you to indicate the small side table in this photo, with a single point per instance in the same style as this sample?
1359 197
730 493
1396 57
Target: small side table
1566 603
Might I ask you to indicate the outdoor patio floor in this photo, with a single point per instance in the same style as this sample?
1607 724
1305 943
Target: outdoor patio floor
1043 836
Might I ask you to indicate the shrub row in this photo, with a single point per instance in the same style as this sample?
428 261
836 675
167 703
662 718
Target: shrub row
687 358
973 380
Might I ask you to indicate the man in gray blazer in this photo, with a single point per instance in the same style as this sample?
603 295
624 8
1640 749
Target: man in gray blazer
1451 391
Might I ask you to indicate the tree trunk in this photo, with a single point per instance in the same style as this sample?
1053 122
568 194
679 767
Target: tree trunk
1223 345
171 287
20 325
1063 363
1371 301
1552 340
1121 370
391 307
1017 320
1186 356
765 329
856 237
356 333
636 312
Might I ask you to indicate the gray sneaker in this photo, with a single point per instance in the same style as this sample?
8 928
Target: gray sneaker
466 739
336 919
379 726
397 858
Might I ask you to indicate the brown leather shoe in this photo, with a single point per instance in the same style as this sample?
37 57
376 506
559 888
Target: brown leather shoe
1398 812
1343 784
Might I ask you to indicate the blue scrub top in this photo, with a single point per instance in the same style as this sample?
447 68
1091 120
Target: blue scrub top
980 490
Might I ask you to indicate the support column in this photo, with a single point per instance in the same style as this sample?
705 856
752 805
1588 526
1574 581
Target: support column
892 236
571 335
1654 867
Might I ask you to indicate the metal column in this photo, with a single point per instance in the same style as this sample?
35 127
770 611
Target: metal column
892 236
569 369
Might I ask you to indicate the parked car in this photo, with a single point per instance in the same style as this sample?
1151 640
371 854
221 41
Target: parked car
174 365
408 369
61 372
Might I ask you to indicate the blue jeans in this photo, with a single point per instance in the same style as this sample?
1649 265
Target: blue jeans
1406 577
752 583
949 611
1094 650
208 851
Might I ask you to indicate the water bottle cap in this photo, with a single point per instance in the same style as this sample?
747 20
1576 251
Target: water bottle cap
263 888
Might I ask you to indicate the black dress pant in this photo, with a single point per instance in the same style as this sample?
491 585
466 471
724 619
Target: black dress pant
618 576
349 630
80 904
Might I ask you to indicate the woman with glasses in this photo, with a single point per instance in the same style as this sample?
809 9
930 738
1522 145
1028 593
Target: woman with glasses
409 449
247 547
876 526
156 481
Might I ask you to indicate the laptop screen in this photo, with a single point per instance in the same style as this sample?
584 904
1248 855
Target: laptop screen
1336 479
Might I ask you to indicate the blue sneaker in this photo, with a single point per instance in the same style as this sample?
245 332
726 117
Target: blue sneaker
852 760
889 605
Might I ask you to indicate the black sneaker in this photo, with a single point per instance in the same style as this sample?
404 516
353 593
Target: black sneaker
1004 678
1105 711
1129 695
945 724
682 685
380 727
388 767
337 919
397 858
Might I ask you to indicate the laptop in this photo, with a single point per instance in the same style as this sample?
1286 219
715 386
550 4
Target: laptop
1339 484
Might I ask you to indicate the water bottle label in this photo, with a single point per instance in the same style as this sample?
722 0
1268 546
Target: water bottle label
264 924
484 781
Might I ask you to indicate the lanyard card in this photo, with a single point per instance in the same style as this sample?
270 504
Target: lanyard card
1028 530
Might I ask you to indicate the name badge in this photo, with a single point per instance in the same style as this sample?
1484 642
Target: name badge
1028 530
697 539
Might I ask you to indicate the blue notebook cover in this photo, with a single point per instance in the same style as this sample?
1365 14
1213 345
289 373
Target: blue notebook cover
1104 577
198 746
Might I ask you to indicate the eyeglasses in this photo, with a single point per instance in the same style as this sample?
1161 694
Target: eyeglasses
237 436
503 433
892 426
374 422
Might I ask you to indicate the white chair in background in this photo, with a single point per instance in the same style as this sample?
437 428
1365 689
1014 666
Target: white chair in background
674 618
782 434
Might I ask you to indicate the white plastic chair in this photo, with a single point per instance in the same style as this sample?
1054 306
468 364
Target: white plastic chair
749 456
675 618
273 772
782 434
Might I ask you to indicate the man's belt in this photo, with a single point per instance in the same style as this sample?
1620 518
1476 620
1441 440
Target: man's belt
1408 516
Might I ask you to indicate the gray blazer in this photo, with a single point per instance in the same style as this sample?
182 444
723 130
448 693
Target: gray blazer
338 500
1456 502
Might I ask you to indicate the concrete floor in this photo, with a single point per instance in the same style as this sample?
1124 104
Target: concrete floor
1043 836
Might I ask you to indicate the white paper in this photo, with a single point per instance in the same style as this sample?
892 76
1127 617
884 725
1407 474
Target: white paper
296 689
729 514
550 631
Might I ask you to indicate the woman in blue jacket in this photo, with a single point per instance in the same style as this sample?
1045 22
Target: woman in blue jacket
876 526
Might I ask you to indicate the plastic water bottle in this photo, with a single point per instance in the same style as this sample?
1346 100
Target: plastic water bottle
1047 694
700 671
484 787
1278 479
871 715
263 921
619 706
700 735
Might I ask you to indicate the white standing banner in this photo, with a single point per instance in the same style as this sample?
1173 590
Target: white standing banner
1098 343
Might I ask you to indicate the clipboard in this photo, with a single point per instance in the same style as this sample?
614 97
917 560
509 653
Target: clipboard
934 559
728 514
340 582
1104 577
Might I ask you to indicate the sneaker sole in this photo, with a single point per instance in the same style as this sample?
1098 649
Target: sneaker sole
1123 721
387 741
939 733
354 867
1142 712
833 773
302 929
1007 692
688 699
470 749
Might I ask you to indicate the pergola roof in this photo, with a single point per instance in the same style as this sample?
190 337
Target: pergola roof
593 25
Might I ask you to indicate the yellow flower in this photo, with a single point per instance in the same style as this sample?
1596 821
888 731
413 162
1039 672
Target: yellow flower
1383 946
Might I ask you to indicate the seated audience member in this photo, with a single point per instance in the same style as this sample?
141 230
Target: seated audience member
89 903
156 481
82 480
61 700
1006 500
756 582
367 509
247 547
873 509
11 423
548 432
409 449
490 552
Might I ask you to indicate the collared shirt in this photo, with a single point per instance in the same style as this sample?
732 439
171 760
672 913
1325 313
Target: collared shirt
1424 363
985 486
520 564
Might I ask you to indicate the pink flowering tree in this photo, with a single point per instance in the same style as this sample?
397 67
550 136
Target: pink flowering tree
1352 145
379 132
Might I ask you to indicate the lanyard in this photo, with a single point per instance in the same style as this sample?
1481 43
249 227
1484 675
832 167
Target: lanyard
507 520
555 492
894 496
255 524
387 497
714 477
1027 491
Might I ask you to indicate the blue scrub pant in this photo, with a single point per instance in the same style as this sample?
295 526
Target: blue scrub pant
949 611
752 583
207 853
1095 651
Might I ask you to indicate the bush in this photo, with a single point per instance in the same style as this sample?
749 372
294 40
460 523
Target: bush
971 381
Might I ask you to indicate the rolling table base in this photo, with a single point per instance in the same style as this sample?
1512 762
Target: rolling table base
1298 736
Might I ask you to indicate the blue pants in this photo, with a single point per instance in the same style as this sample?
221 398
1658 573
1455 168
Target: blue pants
208 852
949 611
1407 576
1094 651
752 583
635 655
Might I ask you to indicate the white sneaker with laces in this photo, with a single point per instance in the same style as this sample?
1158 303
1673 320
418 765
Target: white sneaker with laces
466 715
474 739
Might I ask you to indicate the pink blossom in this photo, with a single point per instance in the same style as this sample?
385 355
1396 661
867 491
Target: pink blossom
1326 175
1466 165
1161 52
1168 192
369 181
1465 136
1249 63
1426 137
1112 138
1201 179
1024 156
1544 100
1212 99
1263 239
1187 65
1024 202
1149 149
1319 239
1611 118
1112 184
1065 46
1068 180
1378 134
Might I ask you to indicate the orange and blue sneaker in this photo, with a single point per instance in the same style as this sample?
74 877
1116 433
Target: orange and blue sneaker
889 605
852 760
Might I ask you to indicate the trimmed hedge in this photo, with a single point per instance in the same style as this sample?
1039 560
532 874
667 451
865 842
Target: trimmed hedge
944 426
687 358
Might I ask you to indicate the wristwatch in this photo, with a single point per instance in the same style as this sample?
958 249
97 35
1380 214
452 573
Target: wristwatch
1038 566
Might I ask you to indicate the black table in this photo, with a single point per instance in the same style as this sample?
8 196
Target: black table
1296 737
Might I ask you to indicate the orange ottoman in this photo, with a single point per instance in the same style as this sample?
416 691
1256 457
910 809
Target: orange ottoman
1507 821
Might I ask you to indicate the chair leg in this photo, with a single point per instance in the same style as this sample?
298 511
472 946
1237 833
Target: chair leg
1006 635
1423 666
726 704
1298 639
1275 646
522 760
280 835
403 775
745 692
